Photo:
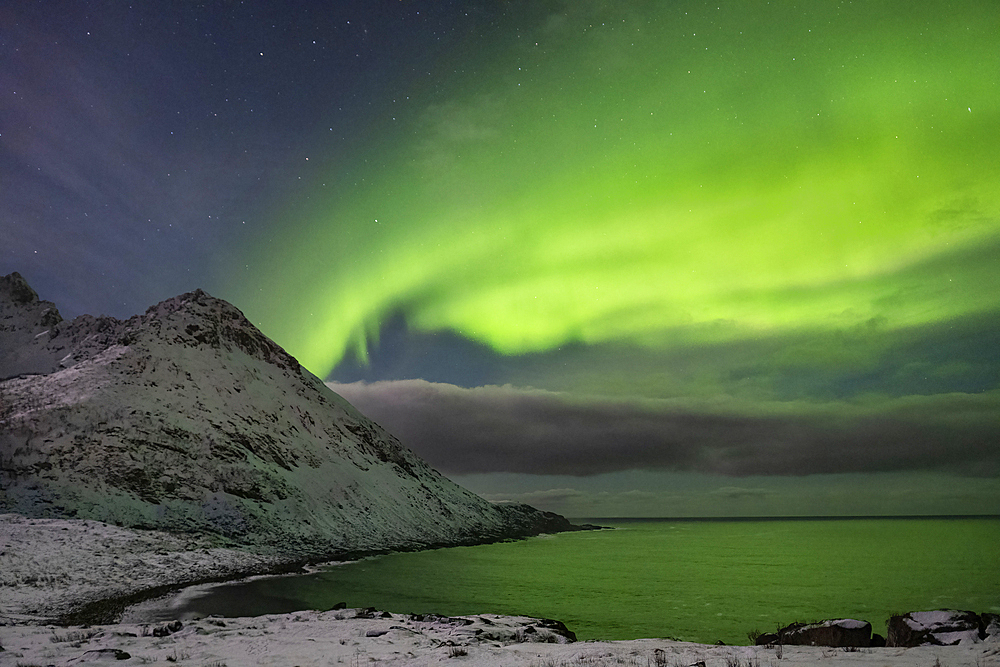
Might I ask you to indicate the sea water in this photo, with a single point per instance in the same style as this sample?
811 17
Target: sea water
694 580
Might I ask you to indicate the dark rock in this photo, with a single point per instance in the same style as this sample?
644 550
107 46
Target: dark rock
368 612
557 627
438 618
767 639
989 625
167 629
946 627
339 605
101 653
877 641
18 289
426 618
840 633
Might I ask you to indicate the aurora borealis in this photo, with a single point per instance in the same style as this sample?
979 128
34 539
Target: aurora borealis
667 177
728 259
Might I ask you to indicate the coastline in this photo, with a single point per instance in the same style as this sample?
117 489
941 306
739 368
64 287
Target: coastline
80 571
52 571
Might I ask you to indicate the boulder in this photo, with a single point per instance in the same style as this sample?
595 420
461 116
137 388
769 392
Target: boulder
990 626
946 627
167 629
558 628
839 633
844 632
767 639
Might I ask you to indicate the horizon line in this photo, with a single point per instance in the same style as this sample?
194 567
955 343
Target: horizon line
818 517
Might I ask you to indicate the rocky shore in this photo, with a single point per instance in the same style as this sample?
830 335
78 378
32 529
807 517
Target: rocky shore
944 627
370 637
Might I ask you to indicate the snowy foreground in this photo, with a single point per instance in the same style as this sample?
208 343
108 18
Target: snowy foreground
337 637
51 567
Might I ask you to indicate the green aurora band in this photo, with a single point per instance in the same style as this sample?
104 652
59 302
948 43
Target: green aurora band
663 176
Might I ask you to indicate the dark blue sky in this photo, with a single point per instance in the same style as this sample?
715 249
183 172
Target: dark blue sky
143 144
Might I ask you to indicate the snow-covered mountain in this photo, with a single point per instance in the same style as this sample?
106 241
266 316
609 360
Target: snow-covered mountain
188 418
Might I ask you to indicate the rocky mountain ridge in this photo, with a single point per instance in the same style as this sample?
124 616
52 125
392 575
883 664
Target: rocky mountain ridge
188 418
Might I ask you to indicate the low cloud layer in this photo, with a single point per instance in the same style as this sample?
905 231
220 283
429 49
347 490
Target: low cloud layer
669 494
516 430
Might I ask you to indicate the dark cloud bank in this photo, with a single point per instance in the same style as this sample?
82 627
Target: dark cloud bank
509 429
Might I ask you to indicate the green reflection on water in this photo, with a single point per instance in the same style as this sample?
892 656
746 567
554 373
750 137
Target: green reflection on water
692 580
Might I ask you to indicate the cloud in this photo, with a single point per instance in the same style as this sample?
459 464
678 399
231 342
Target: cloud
738 492
510 429
673 494
541 498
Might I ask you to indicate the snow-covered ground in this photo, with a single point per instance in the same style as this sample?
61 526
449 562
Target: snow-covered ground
50 567
340 638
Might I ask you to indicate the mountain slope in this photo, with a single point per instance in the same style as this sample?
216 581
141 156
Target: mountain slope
189 418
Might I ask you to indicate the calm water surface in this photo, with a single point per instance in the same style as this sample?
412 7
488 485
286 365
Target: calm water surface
692 580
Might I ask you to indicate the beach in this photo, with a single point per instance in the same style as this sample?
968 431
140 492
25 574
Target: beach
50 568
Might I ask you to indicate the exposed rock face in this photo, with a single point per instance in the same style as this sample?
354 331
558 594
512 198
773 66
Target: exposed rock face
840 633
946 627
24 324
991 626
189 418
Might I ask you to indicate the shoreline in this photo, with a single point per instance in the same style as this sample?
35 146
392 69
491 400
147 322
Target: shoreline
58 577
42 581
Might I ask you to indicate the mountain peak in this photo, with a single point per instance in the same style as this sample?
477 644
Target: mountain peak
198 318
16 295
26 324
198 300
34 338
16 289
188 418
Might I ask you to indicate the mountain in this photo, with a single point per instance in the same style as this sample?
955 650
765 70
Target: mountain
188 418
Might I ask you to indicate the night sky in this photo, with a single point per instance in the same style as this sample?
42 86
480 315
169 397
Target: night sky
613 259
